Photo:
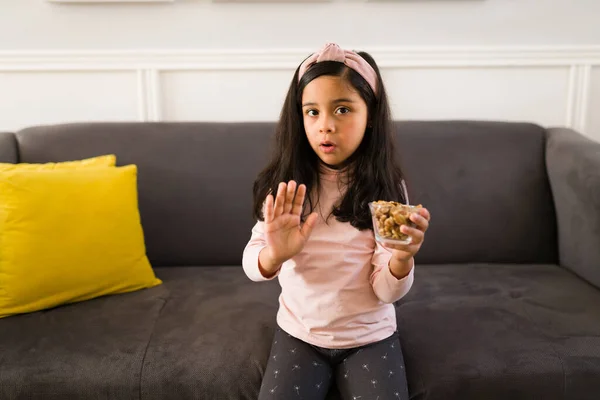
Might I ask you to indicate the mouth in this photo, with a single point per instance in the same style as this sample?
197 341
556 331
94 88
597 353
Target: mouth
327 147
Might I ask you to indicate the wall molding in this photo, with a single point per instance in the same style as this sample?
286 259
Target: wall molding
387 57
148 65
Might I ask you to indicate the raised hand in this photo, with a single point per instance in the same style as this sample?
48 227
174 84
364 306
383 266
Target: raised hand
402 254
284 234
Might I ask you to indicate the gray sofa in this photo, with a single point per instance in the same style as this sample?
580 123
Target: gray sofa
505 305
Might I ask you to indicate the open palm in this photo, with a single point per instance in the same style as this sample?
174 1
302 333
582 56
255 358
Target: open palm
284 234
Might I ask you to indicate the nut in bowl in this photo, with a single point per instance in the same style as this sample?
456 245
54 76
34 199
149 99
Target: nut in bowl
388 217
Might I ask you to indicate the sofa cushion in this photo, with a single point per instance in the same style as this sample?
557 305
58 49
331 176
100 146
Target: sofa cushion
486 186
88 350
214 335
107 160
195 179
501 332
69 234
468 331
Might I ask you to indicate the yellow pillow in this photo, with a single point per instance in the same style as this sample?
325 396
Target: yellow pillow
69 235
108 160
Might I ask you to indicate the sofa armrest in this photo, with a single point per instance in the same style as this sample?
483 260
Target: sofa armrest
573 164
8 148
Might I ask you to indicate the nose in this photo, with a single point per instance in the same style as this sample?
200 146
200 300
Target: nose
326 124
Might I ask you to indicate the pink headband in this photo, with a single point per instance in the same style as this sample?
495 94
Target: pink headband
333 52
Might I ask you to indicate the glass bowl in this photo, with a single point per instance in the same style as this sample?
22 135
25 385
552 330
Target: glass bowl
388 216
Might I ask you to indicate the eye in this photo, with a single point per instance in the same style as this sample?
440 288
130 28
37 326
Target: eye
342 110
311 112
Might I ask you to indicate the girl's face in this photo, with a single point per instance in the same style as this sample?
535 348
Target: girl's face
335 118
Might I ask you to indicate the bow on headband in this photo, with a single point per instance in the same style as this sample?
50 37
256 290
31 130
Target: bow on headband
333 52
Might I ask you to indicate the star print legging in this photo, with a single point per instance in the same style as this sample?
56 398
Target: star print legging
297 370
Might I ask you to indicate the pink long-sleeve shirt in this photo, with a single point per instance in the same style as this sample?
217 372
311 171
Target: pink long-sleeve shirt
338 291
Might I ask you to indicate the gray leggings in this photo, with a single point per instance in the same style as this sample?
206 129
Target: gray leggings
297 370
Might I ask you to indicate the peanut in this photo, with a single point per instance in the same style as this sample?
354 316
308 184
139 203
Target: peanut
389 216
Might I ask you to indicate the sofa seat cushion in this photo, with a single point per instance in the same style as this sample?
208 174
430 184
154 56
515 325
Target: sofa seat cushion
469 332
214 335
500 332
88 350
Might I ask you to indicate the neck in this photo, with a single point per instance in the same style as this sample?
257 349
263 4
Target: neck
338 167
333 173
329 166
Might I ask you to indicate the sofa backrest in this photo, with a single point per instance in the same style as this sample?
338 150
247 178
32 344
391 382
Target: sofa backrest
194 180
486 186
484 183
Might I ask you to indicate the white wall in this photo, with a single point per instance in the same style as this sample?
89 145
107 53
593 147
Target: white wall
526 60
206 24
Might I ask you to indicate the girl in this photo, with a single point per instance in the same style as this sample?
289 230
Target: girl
336 320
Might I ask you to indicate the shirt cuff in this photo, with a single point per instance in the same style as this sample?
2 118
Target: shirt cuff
394 287
252 269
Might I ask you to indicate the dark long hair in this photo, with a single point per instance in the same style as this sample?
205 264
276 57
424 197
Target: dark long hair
373 173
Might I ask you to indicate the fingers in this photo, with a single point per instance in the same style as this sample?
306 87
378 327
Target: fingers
421 221
279 200
269 209
309 224
289 198
425 213
417 235
299 200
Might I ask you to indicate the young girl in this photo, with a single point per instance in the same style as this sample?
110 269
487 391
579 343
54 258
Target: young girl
334 154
